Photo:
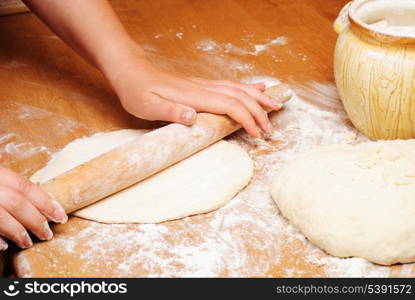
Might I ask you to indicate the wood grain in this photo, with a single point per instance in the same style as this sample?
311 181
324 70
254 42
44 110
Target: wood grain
38 73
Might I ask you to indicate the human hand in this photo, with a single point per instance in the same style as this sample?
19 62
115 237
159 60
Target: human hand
152 93
144 89
24 205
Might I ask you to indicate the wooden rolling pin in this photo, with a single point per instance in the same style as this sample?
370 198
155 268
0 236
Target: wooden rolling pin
130 163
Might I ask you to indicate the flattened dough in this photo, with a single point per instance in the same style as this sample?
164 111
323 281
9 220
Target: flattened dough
353 200
199 184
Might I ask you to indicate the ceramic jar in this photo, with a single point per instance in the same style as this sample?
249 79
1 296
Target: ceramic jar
374 67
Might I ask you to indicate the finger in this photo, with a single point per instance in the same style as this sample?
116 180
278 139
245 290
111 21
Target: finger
254 92
250 103
240 114
261 97
207 101
13 230
157 108
25 213
3 244
259 85
41 200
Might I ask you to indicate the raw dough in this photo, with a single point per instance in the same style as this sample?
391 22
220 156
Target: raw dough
198 184
353 200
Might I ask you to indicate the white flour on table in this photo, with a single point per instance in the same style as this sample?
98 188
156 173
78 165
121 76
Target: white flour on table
254 49
247 237
14 144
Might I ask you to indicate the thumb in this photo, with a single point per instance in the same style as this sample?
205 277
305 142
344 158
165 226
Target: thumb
164 110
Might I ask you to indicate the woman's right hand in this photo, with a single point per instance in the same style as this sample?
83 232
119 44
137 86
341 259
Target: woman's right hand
24 206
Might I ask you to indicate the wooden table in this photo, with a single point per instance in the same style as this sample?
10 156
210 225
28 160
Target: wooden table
49 96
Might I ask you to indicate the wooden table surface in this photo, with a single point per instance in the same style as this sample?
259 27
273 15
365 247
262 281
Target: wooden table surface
49 96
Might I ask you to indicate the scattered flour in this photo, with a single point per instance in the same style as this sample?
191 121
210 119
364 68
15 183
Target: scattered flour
6 137
215 47
282 40
247 237
14 145
241 67
23 150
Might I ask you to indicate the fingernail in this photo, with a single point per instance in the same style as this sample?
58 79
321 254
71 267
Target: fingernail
3 245
27 241
276 104
189 116
47 233
59 213
260 85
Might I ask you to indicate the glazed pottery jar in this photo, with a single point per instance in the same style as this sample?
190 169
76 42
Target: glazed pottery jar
374 67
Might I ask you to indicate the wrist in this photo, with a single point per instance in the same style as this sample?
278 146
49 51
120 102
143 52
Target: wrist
118 61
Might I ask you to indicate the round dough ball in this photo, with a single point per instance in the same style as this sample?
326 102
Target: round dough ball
353 200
